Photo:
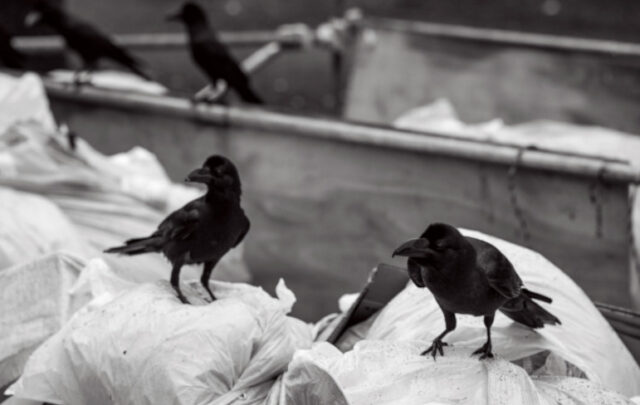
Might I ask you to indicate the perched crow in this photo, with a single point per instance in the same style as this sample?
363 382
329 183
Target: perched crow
210 54
470 276
91 44
203 230
9 56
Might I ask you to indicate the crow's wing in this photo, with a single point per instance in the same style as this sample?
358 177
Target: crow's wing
181 223
499 271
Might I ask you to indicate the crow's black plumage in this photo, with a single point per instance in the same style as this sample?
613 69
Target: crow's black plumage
470 276
91 44
9 56
210 54
202 231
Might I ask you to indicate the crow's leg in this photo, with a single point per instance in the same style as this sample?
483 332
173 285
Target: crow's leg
206 274
175 281
437 344
485 350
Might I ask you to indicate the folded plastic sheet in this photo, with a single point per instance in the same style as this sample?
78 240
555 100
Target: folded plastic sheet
34 304
381 373
142 346
585 344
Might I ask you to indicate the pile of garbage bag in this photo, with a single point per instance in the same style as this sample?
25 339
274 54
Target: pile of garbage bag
78 327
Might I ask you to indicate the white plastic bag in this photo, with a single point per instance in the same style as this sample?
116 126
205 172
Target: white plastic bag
145 347
585 339
389 373
34 304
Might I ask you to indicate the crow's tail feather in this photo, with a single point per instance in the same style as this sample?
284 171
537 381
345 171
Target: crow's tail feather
527 312
137 246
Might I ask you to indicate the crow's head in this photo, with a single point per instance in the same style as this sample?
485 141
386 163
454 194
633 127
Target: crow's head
218 173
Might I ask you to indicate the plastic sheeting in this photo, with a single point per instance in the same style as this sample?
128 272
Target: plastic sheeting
34 304
143 346
381 373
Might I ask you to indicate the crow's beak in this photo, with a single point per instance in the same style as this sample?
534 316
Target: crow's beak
202 175
32 18
175 15
418 248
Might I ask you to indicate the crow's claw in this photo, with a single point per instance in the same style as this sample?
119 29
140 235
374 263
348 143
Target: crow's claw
484 351
436 346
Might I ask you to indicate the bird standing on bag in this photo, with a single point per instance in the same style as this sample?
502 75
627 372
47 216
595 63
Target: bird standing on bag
470 276
210 54
202 231
91 44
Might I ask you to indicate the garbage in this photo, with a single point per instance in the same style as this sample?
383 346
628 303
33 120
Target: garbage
584 345
112 80
34 304
142 346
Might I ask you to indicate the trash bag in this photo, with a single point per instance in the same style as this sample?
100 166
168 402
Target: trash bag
103 197
34 305
583 345
32 226
23 99
143 346
381 373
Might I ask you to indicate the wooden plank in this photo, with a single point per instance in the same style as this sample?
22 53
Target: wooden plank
484 80
326 211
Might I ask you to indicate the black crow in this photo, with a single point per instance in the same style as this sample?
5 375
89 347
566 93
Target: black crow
9 56
210 54
470 276
202 231
91 44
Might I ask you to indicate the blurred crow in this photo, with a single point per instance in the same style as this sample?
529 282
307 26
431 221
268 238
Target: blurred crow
202 231
210 54
91 44
9 56
470 276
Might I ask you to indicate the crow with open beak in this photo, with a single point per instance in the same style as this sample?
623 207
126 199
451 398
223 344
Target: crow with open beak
470 276
91 44
210 54
202 231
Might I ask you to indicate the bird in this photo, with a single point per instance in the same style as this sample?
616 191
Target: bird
203 230
210 54
86 40
470 276
9 56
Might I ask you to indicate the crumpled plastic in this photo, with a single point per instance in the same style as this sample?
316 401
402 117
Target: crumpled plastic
34 303
585 343
23 99
143 346
381 373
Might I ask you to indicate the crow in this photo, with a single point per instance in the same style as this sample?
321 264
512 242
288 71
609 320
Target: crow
9 56
210 54
202 231
470 276
91 44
